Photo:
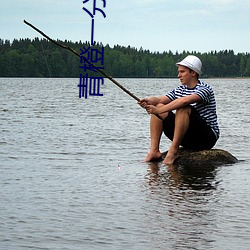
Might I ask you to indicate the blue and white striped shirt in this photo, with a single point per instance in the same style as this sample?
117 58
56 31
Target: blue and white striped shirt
206 108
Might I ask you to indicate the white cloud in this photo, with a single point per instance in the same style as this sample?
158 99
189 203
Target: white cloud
147 2
152 24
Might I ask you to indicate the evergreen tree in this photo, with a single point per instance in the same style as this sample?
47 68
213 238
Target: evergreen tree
41 58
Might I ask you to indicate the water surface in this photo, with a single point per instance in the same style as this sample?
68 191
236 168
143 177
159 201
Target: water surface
72 175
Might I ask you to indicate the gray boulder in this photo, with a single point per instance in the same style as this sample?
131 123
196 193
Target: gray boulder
213 157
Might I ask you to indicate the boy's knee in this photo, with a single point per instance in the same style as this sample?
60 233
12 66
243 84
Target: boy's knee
159 105
184 110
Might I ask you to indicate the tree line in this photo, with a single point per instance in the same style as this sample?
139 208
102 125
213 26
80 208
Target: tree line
41 58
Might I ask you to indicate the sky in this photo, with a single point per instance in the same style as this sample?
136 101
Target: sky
155 25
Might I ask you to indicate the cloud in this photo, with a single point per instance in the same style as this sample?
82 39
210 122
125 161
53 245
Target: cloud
221 2
226 5
147 2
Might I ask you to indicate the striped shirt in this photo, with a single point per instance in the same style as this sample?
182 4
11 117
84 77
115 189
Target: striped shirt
206 108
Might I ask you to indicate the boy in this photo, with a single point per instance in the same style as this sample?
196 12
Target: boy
194 125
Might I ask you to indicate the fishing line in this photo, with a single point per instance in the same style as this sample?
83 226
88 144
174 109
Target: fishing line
45 58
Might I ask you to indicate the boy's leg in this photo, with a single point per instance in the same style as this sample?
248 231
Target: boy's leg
181 127
199 135
156 128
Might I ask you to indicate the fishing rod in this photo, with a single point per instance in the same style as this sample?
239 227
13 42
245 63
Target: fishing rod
86 60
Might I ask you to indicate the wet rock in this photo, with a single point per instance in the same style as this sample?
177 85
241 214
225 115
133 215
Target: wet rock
204 157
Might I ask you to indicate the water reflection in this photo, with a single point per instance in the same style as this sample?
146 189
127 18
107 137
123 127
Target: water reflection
183 198
183 177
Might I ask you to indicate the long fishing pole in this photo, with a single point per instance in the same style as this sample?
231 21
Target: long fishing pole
86 60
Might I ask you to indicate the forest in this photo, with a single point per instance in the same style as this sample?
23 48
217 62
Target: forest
41 58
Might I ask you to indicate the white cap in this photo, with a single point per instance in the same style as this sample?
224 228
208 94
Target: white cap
191 62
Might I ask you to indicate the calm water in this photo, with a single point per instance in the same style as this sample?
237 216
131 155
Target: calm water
72 175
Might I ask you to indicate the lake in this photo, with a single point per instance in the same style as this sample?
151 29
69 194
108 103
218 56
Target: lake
72 174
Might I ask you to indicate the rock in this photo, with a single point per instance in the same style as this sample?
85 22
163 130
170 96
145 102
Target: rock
213 157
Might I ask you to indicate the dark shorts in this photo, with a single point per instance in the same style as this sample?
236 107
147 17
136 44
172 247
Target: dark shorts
199 135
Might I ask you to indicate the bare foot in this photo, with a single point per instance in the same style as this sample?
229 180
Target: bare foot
170 157
153 156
